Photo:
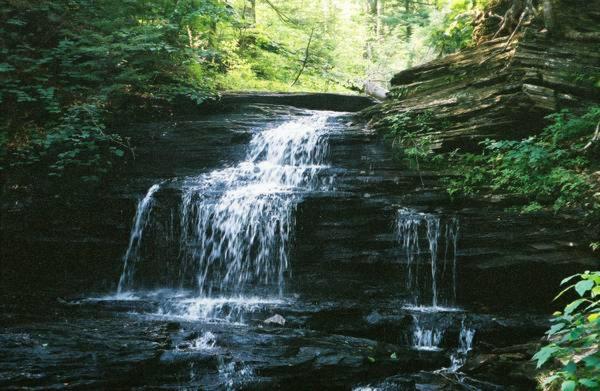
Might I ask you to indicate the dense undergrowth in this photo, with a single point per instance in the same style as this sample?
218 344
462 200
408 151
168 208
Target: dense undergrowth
551 170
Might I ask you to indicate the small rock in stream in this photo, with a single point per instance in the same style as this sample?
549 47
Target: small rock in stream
374 317
275 319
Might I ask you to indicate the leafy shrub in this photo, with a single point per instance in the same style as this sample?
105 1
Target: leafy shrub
411 135
451 28
574 338
550 169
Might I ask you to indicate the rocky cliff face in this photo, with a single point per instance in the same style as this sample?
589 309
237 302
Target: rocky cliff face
349 320
78 240
499 89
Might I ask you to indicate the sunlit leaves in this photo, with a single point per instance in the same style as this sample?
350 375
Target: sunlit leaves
544 354
574 338
547 170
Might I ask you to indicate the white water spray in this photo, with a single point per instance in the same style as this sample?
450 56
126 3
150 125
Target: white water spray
425 337
409 227
140 221
240 236
465 345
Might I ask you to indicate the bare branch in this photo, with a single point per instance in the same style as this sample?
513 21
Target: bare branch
284 18
306 53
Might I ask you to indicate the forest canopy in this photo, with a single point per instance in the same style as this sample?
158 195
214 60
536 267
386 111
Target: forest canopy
71 67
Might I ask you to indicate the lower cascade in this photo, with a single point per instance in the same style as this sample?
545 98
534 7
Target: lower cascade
436 283
429 239
236 223
465 344
426 337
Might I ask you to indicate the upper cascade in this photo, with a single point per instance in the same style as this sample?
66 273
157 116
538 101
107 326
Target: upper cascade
235 223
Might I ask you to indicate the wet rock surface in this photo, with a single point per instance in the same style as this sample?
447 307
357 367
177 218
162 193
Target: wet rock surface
351 319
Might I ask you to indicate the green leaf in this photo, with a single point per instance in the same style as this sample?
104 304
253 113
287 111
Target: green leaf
556 328
571 368
119 152
569 385
573 306
563 291
589 383
563 282
583 286
592 362
544 354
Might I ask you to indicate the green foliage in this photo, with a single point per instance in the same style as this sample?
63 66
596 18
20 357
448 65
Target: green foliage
411 135
70 65
77 146
451 29
550 169
267 50
574 338
62 57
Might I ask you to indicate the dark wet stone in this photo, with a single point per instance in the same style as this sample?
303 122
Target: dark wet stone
374 317
510 365
313 101
172 326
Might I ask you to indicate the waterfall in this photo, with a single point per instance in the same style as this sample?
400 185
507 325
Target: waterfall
240 236
140 221
236 223
452 230
408 230
433 236
465 344
407 233
425 337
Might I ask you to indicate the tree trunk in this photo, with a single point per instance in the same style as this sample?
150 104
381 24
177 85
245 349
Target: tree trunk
379 16
250 12
549 19
407 8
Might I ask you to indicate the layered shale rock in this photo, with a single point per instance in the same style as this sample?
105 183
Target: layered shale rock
500 89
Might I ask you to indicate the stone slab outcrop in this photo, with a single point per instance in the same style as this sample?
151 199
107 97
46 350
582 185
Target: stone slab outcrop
499 89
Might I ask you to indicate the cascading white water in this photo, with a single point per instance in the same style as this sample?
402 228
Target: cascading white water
425 337
427 334
236 223
409 224
465 344
452 230
407 233
140 221
433 235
